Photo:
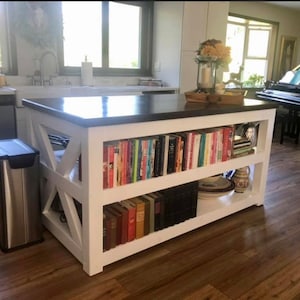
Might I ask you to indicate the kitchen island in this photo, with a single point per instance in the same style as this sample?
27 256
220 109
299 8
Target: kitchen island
74 174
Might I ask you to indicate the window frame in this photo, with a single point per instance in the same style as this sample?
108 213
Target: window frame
9 63
270 56
145 52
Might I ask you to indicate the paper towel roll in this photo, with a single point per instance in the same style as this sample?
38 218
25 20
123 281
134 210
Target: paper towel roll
86 73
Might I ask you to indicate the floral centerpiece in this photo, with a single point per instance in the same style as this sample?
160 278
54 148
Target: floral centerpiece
215 50
211 55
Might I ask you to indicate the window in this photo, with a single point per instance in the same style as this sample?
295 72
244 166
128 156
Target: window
114 36
7 41
252 49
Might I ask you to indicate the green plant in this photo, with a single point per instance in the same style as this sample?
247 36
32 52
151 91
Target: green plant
255 80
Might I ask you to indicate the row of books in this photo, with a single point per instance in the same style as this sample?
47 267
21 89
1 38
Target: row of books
241 146
130 160
136 217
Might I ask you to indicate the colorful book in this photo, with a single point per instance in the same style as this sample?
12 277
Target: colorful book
166 152
202 149
172 153
243 153
207 150
111 228
124 161
124 221
214 143
115 165
159 210
196 148
151 201
228 134
179 153
147 215
157 156
130 158
184 150
118 216
105 237
191 150
144 158
151 156
219 144
131 219
140 217
111 164
137 160
105 166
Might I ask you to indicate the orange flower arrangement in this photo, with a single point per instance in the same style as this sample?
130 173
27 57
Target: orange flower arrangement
215 50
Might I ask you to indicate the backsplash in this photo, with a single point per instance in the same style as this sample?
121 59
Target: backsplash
75 80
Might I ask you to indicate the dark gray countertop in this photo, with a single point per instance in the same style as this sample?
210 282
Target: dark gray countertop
111 110
6 90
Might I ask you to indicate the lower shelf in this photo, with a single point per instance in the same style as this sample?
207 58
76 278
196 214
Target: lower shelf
208 211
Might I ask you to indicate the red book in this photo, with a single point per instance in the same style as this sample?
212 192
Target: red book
118 216
124 163
140 217
214 142
111 165
124 221
228 134
105 166
119 163
131 219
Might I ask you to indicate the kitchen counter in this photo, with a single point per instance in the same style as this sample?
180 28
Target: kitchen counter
110 110
57 91
5 90
78 91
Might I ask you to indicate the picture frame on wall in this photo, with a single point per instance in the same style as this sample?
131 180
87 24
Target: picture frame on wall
287 54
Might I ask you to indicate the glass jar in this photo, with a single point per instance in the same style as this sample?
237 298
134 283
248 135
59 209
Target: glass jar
206 77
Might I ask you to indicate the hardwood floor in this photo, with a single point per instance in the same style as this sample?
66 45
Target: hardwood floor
253 254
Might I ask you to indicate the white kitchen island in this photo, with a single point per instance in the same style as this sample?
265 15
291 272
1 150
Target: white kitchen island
75 174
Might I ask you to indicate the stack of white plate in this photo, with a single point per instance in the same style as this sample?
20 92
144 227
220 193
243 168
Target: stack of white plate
215 186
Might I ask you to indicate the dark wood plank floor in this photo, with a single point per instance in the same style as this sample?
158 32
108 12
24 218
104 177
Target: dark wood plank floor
254 254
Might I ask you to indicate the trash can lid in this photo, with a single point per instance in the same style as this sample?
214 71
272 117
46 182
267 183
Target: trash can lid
17 152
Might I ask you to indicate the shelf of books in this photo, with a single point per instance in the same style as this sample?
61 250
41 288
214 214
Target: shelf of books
146 191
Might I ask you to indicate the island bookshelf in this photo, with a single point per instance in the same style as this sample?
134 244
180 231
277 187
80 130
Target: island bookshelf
83 236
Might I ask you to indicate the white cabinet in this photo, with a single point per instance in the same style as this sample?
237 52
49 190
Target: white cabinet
84 239
179 28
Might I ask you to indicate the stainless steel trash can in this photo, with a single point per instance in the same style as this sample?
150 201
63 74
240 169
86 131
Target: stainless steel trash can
20 214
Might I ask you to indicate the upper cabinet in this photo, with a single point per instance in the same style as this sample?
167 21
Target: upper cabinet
179 29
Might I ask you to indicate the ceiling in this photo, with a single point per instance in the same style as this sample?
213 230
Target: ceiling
288 4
